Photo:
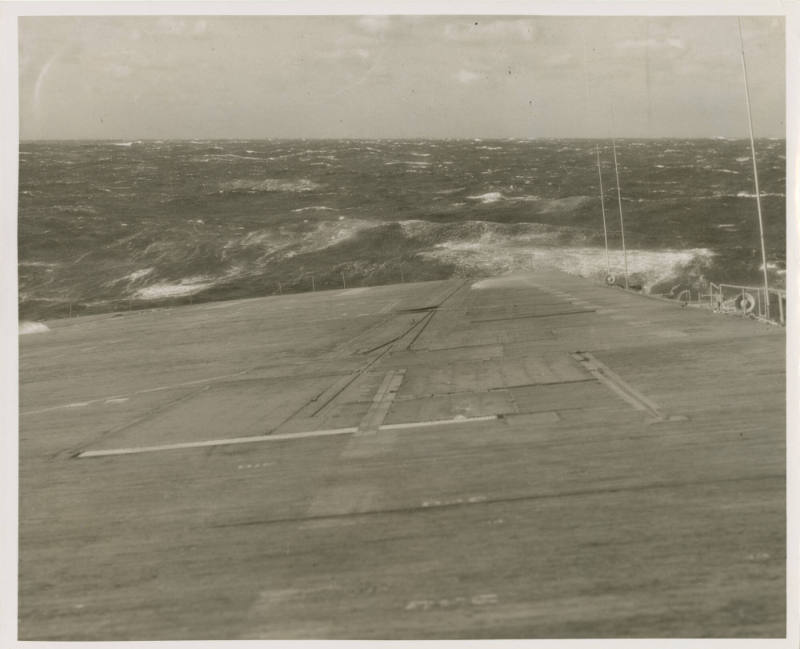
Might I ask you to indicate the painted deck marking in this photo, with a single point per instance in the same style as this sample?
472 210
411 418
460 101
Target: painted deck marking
280 437
381 402
611 379
216 442
388 308
438 422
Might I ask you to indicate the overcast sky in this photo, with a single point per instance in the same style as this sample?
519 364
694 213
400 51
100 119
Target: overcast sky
379 76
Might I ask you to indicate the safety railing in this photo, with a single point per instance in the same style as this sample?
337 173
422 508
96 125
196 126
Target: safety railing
752 301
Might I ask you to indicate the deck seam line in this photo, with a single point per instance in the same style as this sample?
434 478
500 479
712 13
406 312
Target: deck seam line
509 499
539 315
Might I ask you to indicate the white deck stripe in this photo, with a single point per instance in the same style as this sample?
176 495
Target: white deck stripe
381 402
611 379
217 442
439 422
276 438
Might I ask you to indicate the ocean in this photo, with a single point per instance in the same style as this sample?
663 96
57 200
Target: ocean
107 226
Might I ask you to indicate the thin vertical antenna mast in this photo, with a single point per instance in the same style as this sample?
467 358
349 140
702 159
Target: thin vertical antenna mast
755 172
619 198
603 208
599 171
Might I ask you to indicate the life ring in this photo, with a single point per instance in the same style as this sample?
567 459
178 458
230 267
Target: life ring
745 303
684 296
611 280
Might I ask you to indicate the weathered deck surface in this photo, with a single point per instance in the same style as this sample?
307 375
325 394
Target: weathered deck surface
634 491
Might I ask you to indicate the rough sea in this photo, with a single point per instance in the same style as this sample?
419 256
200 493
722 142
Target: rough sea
106 226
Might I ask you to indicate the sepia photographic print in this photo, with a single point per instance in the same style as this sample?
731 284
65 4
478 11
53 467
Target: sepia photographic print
372 323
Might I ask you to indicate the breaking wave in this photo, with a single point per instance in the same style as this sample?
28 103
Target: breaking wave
187 286
539 204
487 248
744 194
488 197
315 208
290 242
26 328
649 268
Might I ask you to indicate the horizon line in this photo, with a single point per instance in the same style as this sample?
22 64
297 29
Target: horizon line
378 139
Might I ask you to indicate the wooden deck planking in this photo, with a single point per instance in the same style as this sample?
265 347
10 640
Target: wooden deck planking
571 516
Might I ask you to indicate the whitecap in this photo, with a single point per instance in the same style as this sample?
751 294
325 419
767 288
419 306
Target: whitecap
565 203
269 185
234 155
288 242
314 208
135 275
488 197
186 286
409 163
744 194
41 264
27 327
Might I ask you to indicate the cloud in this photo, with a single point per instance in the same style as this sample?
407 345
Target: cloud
650 43
170 25
480 30
466 76
374 24
343 53
119 71
177 26
560 59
